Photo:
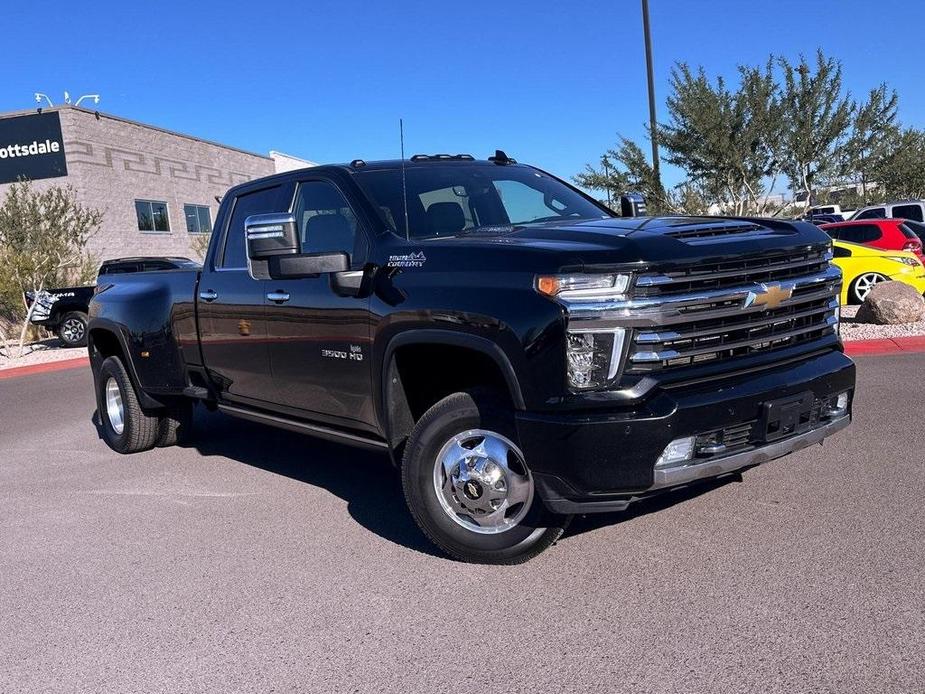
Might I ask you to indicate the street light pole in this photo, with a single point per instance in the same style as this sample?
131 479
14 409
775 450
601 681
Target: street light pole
653 127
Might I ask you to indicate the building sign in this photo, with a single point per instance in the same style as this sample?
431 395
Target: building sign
31 147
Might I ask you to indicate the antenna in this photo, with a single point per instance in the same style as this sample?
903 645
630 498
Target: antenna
404 187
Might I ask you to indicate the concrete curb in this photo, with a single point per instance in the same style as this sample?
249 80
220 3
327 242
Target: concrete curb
61 365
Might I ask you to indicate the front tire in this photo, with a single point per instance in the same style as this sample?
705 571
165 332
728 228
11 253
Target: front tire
126 427
468 486
72 330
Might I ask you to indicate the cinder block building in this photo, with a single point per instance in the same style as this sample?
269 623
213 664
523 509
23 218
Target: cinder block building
158 190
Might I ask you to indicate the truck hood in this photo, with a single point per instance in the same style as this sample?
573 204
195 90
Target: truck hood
646 239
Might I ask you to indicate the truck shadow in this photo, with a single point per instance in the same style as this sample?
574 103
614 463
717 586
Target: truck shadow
366 480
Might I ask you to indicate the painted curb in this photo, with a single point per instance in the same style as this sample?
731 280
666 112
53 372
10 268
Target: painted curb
47 367
895 345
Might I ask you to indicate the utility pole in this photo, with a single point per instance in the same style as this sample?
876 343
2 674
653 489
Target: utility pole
653 127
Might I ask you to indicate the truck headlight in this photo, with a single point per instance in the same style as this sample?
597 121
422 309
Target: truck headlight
583 287
594 357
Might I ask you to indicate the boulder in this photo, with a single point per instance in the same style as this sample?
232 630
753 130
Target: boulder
891 303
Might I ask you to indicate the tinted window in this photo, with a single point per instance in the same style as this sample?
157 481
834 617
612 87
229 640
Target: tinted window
257 202
157 265
860 233
326 222
198 219
152 215
840 252
446 199
873 213
119 269
913 212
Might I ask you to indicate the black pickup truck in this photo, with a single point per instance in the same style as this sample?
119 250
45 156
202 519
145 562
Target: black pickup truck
63 311
521 352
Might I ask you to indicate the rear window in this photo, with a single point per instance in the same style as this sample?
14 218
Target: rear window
860 233
119 269
841 252
913 212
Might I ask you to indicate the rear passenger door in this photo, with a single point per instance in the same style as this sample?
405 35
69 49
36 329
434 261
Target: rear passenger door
231 305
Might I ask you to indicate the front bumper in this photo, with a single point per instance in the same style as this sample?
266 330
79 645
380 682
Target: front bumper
603 462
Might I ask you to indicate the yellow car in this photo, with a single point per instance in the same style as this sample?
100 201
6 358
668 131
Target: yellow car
862 267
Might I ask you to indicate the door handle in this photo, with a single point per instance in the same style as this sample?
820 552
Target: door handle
208 295
278 297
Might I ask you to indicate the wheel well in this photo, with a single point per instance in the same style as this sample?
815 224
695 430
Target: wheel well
421 375
106 344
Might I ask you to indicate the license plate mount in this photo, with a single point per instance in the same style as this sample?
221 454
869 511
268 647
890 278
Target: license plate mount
787 416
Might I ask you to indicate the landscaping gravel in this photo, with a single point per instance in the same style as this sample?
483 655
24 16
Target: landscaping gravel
852 331
39 353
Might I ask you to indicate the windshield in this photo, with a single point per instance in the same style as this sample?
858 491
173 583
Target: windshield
444 200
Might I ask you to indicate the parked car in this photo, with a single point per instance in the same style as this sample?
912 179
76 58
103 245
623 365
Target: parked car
521 352
828 209
885 234
862 267
819 219
63 311
904 209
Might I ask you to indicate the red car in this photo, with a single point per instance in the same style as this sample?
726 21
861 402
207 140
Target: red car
885 234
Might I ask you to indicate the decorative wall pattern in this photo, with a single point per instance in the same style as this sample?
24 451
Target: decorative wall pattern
82 152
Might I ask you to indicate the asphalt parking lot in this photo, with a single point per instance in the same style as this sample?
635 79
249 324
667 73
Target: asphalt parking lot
259 560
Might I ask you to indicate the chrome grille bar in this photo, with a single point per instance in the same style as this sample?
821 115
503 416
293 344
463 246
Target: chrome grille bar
683 308
750 267
668 354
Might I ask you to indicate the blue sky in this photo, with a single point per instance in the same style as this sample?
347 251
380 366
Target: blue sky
550 82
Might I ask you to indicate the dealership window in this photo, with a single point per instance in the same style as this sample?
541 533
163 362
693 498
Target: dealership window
152 215
198 219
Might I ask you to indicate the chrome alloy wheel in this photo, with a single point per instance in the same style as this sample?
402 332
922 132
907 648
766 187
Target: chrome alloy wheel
115 411
73 330
482 482
866 282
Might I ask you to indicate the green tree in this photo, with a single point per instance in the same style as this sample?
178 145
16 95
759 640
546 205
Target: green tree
899 169
873 129
726 140
43 239
816 121
625 169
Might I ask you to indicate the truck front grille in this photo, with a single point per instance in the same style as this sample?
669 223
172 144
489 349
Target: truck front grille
723 311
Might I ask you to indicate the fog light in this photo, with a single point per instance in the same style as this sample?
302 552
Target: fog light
676 452
594 357
839 408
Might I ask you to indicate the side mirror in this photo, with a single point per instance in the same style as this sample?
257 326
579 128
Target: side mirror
632 205
270 235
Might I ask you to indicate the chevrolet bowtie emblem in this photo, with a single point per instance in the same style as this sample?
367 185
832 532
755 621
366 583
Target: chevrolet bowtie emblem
769 296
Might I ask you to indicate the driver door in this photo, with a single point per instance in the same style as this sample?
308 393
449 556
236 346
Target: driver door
319 339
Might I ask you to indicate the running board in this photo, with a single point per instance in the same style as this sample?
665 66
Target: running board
322 432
